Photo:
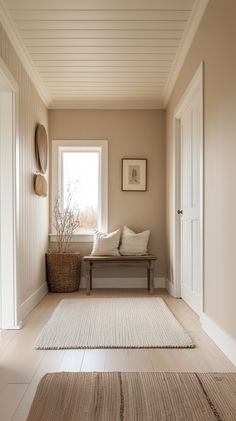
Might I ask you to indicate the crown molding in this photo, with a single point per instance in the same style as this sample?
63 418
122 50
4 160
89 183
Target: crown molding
105 105
22 53
187 39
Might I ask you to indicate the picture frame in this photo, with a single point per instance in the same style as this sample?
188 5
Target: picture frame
134 174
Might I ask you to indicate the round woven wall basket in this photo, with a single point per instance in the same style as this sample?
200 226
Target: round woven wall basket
63 271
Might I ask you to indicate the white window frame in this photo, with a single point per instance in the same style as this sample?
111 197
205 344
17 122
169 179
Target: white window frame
101 146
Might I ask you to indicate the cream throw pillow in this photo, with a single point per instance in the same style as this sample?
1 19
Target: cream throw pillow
106 244
132 243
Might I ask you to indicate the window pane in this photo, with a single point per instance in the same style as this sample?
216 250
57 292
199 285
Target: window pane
80 177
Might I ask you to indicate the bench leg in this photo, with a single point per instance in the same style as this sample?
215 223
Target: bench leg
88 276
148 277
91 276
151 277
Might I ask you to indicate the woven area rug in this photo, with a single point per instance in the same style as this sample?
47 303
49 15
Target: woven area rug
135 397
113 323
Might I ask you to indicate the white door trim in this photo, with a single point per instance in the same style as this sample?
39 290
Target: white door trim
9 195
196 85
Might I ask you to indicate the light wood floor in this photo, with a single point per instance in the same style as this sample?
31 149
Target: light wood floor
21 366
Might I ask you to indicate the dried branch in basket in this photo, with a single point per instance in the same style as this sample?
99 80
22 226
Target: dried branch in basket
66 220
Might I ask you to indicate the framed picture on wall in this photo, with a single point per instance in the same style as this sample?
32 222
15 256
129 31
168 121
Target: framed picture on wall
134 174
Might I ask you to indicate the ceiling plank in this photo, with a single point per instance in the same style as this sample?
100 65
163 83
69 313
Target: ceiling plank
103 70
104 75
103 4
100 15
101 50
102 63
101 79
160 25
103 82
159 41
104 95
99 57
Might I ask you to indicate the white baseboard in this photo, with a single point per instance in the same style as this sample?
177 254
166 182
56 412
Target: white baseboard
224 341
123 282
14 327
27 306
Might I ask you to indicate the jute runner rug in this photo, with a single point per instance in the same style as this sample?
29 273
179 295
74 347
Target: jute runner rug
113 323
135 397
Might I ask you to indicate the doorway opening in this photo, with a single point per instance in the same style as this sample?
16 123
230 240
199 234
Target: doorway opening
9 159
188 195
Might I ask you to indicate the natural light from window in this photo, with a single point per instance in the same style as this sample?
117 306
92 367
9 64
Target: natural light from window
80 177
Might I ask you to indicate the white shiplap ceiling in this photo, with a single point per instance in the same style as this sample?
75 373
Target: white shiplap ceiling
103 53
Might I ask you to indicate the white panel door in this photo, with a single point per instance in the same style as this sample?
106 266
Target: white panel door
190 136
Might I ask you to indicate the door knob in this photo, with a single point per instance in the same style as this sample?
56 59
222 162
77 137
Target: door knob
179 212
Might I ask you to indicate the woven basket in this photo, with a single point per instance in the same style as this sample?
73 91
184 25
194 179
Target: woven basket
63 271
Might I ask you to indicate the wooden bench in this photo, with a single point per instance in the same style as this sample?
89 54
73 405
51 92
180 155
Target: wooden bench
92 262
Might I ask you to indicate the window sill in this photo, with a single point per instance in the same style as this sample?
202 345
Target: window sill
76 238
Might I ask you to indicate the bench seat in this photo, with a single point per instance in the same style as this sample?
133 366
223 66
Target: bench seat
92 262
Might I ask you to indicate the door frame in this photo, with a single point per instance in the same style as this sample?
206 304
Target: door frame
9 194
196 85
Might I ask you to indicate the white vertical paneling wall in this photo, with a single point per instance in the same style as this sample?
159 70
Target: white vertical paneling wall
33 210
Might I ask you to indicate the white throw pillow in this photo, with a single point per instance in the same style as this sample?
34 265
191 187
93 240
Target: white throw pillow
134 244
106 244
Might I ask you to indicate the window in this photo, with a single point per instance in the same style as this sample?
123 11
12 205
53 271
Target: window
79 170
80 178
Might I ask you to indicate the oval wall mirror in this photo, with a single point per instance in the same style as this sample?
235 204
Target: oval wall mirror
41 147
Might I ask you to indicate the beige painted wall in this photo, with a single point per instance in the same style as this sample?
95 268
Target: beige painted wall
215 45
33 217
130 134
